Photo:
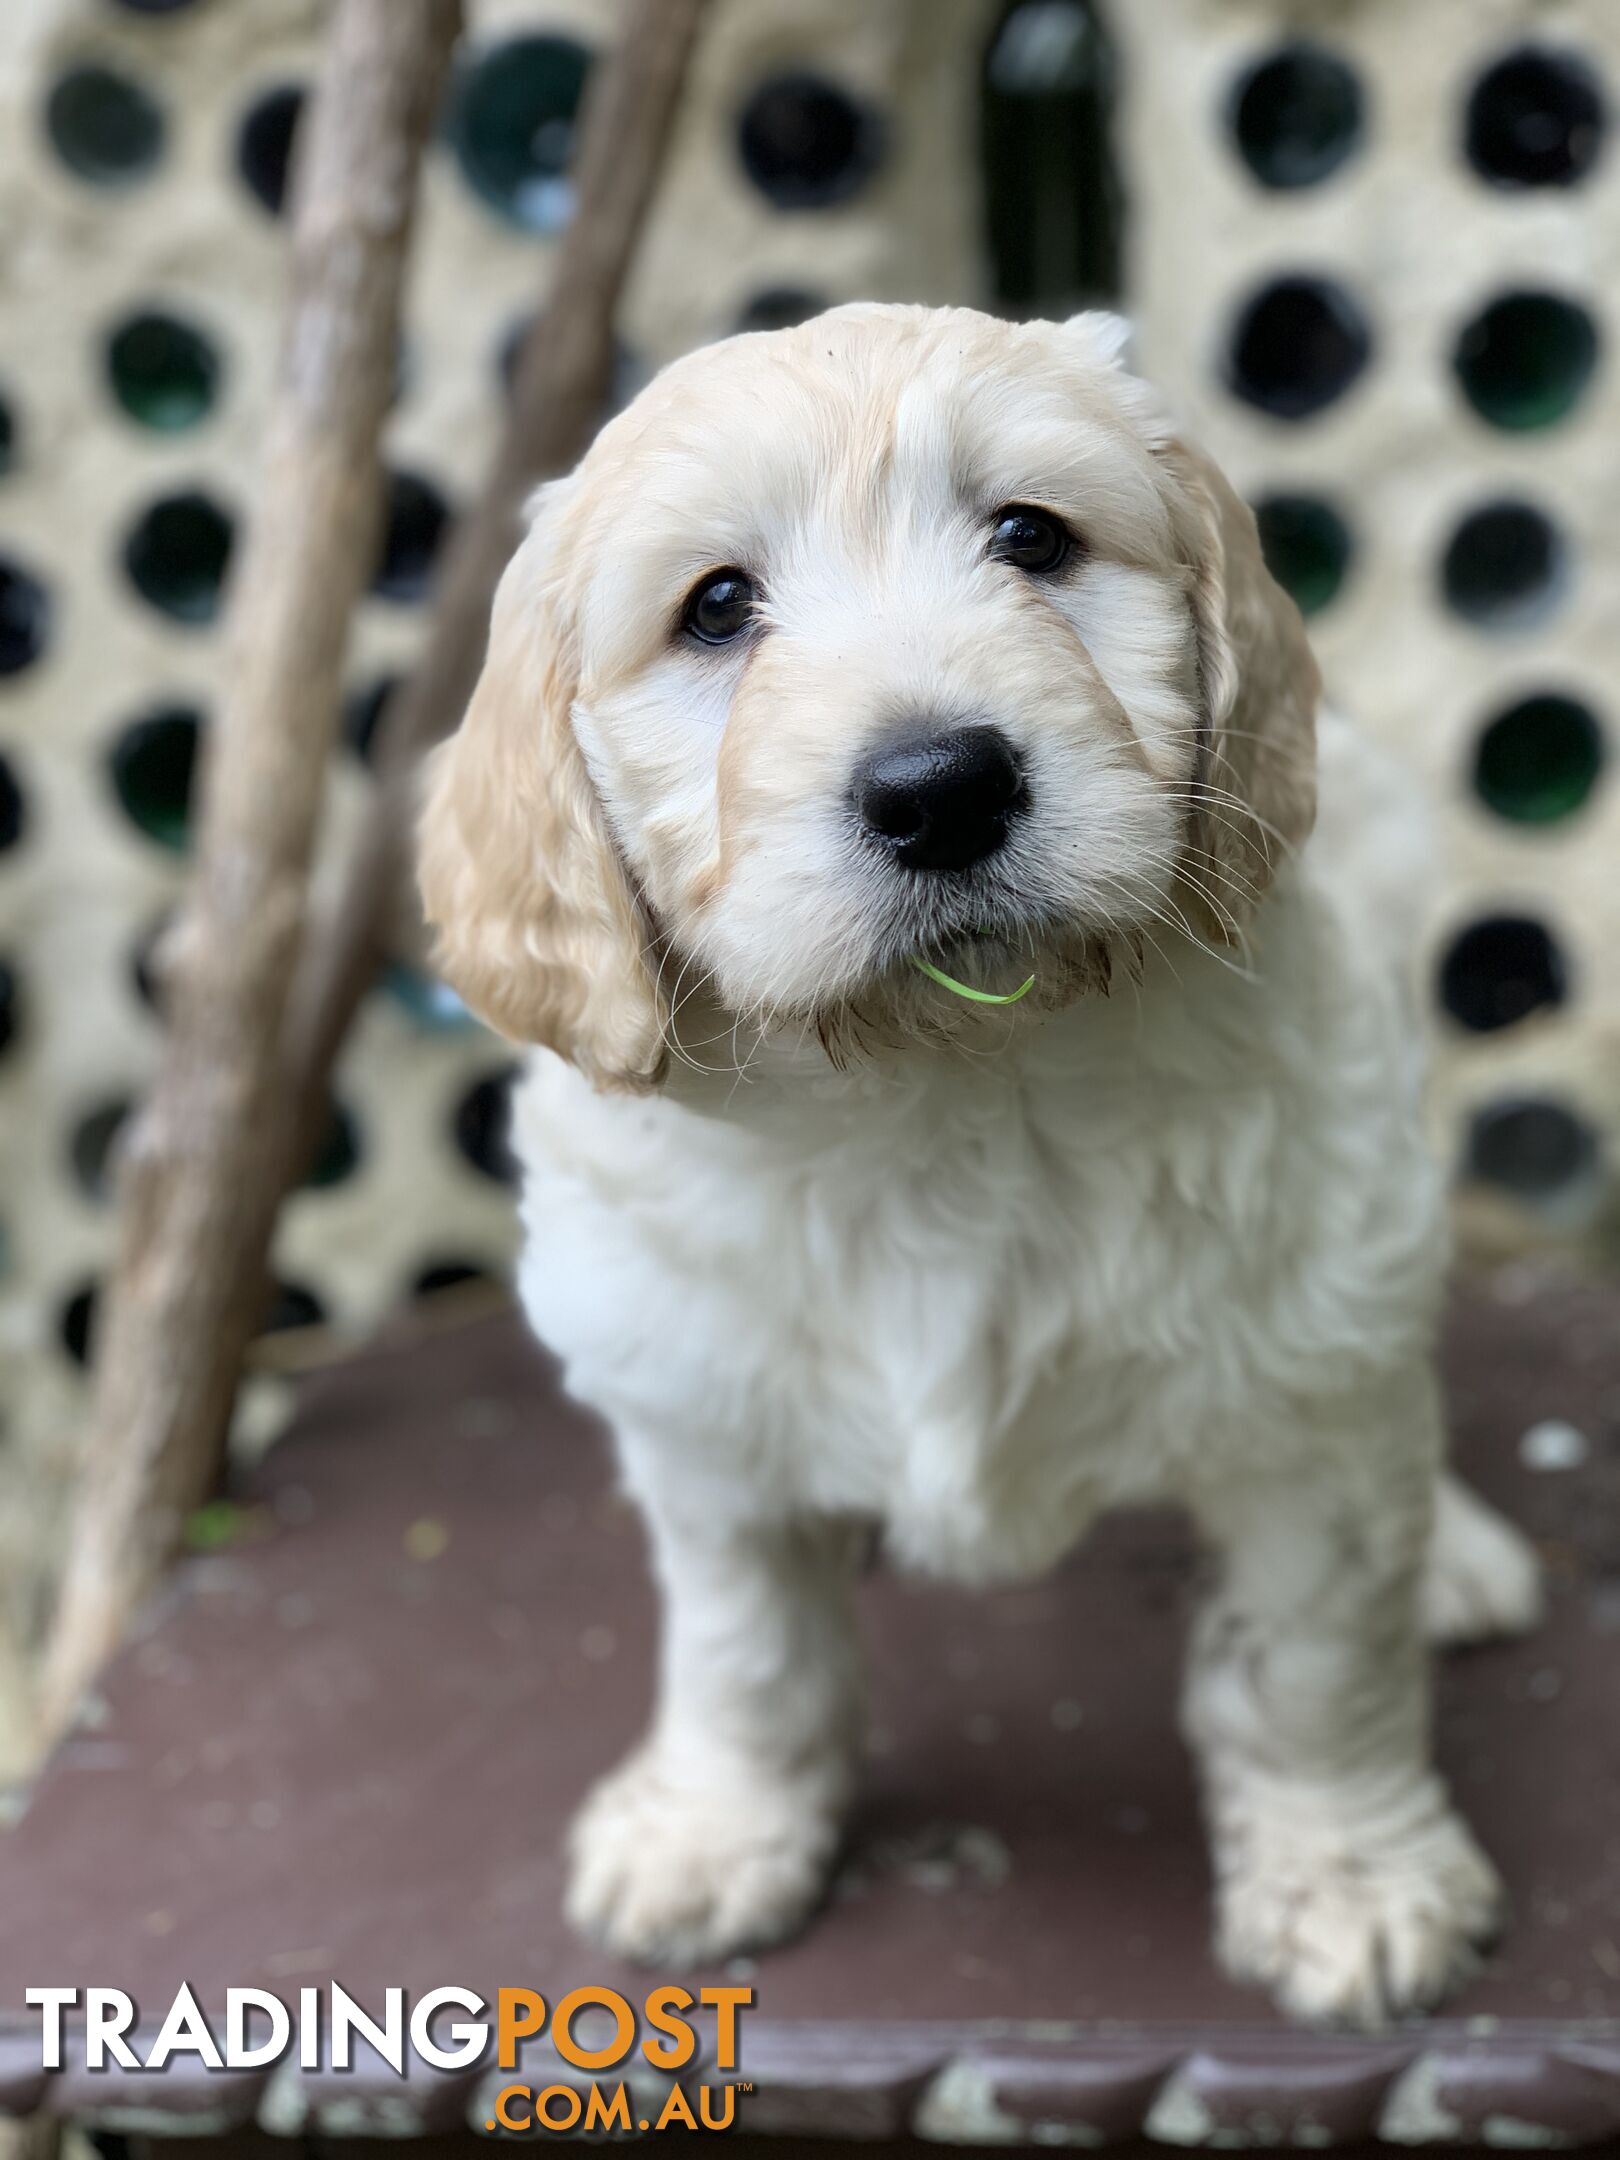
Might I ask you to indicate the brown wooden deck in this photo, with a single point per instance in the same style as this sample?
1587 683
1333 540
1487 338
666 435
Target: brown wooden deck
347 1746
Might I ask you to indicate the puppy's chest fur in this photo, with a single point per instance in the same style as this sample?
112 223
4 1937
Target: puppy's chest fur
977 1304
902 1339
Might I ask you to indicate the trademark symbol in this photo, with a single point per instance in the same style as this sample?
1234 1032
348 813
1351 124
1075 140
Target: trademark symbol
745 2085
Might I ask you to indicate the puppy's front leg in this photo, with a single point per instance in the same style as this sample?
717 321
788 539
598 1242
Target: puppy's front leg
718 1832
1345 1881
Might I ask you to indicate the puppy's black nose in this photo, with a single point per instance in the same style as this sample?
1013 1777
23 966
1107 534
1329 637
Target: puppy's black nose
942 802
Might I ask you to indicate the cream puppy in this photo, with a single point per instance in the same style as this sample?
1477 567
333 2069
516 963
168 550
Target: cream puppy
916 636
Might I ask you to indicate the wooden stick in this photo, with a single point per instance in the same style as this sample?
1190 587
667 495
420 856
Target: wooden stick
19 1732
33 2137
563 383
194 1198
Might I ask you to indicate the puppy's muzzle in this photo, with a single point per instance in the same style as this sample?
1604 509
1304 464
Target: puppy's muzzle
942 802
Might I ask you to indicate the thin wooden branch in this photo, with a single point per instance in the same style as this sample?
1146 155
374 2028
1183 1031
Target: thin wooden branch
180 1306
563 383
19 1731
34 2137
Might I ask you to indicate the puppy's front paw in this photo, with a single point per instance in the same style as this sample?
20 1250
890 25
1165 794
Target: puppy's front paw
1349 1919
667 1874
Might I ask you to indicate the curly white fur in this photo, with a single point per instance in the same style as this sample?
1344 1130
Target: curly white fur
975 1279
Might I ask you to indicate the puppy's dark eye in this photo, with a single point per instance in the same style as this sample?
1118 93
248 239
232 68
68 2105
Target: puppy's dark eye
722 607
1032 540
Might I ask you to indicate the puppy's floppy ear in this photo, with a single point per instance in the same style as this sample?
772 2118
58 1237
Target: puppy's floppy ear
1254 788
538 928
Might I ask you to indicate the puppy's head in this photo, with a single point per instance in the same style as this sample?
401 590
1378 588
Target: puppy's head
901 634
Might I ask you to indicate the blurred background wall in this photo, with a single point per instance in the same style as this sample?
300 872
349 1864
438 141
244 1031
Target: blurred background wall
1374 249
1367 244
